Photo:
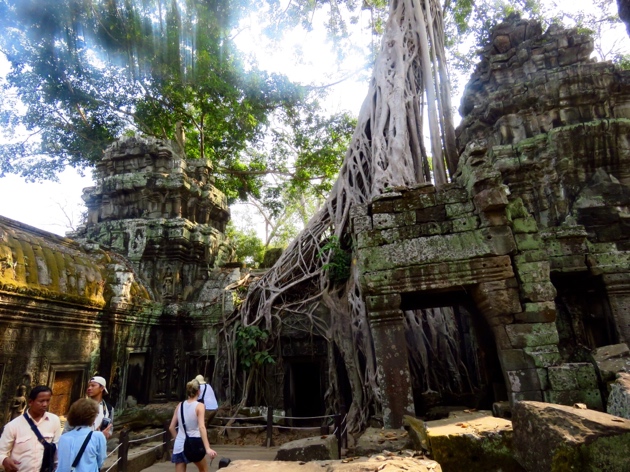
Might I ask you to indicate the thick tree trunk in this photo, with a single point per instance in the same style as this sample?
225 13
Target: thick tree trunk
387 150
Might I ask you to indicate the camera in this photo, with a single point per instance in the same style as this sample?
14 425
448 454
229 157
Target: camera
105 423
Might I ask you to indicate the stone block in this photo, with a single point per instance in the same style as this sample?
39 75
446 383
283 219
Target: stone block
563 377
532 272
528 241
361 224
456 210
524 225
393 220
555 437
531 256
611 360
318 448
491 199
476 439
516 208
515 359
377 440
532 334
591 398
538 292
451 195
541 312
502 409
573 376
567 264
414 201
619 398
493 218
523 380
465 224
530 396
434 213
544 356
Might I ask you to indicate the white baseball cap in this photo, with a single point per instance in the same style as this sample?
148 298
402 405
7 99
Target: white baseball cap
200 379
101 381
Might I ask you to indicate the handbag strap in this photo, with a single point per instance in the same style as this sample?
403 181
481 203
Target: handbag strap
183 420
35 429
81 451
204 393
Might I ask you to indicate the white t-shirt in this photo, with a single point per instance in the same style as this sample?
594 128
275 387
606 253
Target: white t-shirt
209 399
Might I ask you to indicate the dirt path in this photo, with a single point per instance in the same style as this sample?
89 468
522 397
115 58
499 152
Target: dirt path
233 452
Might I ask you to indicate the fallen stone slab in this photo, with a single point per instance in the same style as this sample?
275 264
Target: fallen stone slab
380 463
612 359
377 440
472 441
619 399
309 449
550 437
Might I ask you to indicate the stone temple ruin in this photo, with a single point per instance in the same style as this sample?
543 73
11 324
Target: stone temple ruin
525 255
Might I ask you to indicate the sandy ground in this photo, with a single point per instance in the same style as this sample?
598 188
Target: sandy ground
233 452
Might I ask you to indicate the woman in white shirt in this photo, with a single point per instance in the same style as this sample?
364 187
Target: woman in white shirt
194 418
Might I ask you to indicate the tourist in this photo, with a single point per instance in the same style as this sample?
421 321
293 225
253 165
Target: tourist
207 397
104 421
90 458
190 424
20 447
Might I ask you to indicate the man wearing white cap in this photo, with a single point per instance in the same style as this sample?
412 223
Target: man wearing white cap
104 421
207 397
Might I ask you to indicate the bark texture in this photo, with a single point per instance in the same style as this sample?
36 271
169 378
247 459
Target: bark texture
408 87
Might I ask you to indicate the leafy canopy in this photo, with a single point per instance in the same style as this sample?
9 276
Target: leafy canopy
86 71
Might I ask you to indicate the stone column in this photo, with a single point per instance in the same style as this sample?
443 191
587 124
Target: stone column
390 346
618 289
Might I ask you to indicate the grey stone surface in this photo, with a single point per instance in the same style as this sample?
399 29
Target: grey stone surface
556 437
309 449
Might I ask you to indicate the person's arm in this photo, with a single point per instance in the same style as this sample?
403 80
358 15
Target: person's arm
7 440
173 424
201 411
101 448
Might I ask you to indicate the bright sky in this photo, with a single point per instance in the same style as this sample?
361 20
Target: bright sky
56 206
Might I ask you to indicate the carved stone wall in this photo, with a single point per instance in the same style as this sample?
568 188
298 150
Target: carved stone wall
133 295
537 212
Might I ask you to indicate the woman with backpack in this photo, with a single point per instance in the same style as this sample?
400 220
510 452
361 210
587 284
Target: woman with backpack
189 430
81 449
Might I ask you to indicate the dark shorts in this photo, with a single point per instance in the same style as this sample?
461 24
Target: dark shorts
179 458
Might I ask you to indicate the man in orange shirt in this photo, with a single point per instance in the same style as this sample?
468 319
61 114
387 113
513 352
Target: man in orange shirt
20 449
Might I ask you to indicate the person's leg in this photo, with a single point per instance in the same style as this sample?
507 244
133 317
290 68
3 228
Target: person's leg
209 416
202 465
180 467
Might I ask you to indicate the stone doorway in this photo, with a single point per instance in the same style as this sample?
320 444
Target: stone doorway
136 376
304 396
67 388
452 352
583 317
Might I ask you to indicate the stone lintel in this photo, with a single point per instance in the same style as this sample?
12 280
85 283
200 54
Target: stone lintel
441 275
485 242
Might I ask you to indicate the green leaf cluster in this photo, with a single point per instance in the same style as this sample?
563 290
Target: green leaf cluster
249 344
339 260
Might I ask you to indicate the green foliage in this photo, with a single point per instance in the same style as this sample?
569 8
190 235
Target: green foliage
249 248
249 344
338 265
84 72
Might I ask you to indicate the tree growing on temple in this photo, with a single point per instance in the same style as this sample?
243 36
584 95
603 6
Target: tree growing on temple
409 87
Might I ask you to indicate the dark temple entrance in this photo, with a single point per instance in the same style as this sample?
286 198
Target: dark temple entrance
304 395
452 353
